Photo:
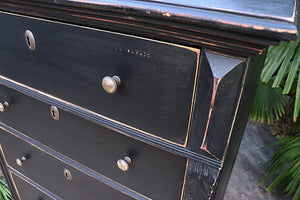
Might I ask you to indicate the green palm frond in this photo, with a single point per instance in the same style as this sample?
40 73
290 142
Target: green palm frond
286 162
280 77
282 69
4 192
269 103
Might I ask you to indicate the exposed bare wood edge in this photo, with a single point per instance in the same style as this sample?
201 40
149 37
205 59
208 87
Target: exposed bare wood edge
154 21
200 181
212 18
117 127
261 15
195 29
33 184
7 175
240 122
195 35
174 33
73 163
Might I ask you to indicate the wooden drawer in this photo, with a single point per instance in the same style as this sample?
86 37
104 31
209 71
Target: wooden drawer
27 191
69 62
97 147
48 172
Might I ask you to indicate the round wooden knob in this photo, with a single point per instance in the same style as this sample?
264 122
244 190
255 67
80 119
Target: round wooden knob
124 164
110 84
20 161
3 106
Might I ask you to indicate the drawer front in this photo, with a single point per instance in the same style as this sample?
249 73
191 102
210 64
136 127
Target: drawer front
27 191
69 62
97 147
48 172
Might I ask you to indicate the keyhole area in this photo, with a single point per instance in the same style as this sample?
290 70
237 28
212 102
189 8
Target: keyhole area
54 112
67 174
28 41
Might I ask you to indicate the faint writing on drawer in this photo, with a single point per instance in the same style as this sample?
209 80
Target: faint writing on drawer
137 53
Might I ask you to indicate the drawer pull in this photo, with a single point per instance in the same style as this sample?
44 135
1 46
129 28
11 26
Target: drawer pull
21 160
67 174
124 164
3 106
30 41
110 84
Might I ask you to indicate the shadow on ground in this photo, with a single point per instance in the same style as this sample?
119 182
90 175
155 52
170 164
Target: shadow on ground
248 168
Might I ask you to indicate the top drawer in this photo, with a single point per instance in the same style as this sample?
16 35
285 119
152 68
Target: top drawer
69 62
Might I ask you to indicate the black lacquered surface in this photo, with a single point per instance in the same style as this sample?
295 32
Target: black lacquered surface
96 147
27 191
254 7
69 62
48 172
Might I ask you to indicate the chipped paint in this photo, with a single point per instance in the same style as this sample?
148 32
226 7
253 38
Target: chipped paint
234 23
259 27
212 103
284 31
167 14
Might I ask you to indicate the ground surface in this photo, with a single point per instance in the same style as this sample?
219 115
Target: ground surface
248 168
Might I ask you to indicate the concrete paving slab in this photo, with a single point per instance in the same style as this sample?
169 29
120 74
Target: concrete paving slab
248 168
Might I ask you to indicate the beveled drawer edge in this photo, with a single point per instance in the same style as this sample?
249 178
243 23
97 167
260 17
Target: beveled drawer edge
184 179
109 123
195 50
8 174
82 168
11 171
32 183
193 101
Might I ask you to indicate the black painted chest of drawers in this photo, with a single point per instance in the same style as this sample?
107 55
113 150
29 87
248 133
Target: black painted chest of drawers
130 99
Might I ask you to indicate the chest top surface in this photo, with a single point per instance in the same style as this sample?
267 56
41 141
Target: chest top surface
232 26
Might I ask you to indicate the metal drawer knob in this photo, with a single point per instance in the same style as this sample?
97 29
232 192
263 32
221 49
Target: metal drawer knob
3 106
110 84
124 164
21 160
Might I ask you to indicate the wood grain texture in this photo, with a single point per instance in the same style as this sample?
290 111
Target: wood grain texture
148 122
70 63
38 146
235 137
220 81
7 175
227 80
102 121
100 148
27 189
49 173
199 181
226 120
255 8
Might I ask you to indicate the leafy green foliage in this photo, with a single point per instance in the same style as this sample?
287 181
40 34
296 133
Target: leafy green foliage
278 98
269 103
4 192
282 66
286 162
